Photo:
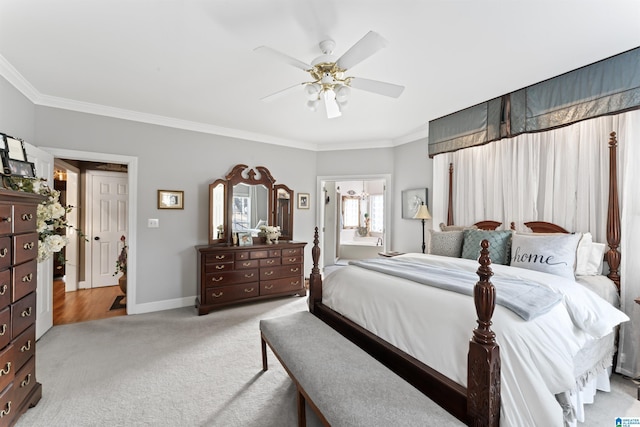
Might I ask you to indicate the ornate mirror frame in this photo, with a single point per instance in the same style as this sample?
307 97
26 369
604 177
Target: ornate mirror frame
221 198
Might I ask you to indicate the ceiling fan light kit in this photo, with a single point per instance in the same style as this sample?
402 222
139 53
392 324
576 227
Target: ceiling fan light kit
329 83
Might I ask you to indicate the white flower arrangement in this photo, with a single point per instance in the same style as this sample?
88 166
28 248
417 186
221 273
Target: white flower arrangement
271 232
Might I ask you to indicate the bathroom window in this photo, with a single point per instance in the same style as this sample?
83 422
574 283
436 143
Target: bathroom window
350 212
377 212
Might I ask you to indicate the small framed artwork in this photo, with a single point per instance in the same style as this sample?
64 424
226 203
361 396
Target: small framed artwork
15 147
411 201
245 239
303 200
170 199
20 168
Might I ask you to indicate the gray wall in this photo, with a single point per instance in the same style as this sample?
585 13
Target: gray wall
184 160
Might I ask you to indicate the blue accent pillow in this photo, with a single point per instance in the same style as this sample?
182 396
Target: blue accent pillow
499 245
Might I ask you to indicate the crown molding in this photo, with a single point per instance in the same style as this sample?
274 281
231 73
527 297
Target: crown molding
18 81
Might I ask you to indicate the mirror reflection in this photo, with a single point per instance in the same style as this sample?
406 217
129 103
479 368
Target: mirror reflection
284 211
217 197
250 208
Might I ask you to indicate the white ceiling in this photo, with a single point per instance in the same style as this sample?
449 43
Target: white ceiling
190 63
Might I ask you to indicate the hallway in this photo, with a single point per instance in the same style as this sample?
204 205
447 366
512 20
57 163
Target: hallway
84 304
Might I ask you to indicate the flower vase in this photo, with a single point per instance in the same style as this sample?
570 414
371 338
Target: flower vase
122 282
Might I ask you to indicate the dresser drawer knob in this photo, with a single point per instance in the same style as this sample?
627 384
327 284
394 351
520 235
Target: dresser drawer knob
6 411
26 347
217 294
27 217
4 252
295 270
268 273
3 289
26 381
219 267
268 287
27 278
295 283
248 276
216 279
26 313
270 261
6 219
4 329
247 290
221 256
6 370
28 246
292 259
246 264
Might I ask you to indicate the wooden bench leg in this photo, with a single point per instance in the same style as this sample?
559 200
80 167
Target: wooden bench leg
264 353
302 415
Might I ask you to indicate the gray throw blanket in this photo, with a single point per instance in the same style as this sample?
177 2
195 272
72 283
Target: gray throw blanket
526 299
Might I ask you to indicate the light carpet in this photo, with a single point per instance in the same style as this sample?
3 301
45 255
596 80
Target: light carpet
175 368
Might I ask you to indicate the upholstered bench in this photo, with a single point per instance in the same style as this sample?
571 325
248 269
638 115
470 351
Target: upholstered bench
340 382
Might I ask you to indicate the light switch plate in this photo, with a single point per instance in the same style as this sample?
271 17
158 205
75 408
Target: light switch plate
153 223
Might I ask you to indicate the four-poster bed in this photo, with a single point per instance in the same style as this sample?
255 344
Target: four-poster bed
406 349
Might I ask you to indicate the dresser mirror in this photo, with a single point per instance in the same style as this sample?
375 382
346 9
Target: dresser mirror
245 200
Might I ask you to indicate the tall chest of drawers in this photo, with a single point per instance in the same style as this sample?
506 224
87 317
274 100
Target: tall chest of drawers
19 389
232 274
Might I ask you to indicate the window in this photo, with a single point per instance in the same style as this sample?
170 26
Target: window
377 212
350 212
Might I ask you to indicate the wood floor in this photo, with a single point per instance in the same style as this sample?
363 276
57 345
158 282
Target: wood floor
84 304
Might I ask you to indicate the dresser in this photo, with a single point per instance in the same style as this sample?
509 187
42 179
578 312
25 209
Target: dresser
235 274
18 271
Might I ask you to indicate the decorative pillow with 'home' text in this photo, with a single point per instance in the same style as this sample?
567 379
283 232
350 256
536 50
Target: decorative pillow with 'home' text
554 254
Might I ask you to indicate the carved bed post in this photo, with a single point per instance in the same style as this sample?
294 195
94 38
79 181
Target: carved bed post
315 280
613 215
450 206
483 364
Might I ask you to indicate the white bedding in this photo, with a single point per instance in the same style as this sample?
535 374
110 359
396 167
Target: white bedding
537 356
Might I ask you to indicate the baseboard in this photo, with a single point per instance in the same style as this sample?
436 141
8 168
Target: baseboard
170 304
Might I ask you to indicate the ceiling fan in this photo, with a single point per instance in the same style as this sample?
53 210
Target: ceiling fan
329 82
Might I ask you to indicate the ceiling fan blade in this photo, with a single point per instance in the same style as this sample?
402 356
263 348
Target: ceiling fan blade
364 48
330 103
280 93
381 88
282 57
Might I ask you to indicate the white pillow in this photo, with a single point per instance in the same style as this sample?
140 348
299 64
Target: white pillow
589 256
554 254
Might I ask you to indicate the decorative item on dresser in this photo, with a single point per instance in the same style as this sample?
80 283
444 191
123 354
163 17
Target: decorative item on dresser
233 274
19 389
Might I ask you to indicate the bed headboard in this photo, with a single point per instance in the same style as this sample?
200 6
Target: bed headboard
612 256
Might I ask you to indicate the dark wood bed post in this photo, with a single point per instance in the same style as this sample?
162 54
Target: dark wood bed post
315 280
450 206
483 362
613 215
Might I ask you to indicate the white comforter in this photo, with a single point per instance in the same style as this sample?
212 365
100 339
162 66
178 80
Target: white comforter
435 325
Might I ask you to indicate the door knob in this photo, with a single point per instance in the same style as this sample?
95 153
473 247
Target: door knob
96 238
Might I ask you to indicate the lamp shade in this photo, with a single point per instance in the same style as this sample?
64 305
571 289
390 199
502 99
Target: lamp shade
423 212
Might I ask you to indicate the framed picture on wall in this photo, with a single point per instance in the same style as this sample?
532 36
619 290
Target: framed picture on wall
412 199
303 201
170 199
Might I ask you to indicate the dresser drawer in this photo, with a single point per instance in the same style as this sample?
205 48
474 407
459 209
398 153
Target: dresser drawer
23 314
269 273
291 259
24 279
6 219
5 326
231 277
7 366
24 218
5 288
259 254
221 266
5 252
218 257
287 284
224 294
275 253
269 262
247 263
24 381
25 247
242 255
24 346
291 251
8 406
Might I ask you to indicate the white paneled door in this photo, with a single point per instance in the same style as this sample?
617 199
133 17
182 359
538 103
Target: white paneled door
108 215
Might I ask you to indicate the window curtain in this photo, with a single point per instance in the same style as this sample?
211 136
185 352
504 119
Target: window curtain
560 176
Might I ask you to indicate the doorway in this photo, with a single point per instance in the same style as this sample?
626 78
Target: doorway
355 217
